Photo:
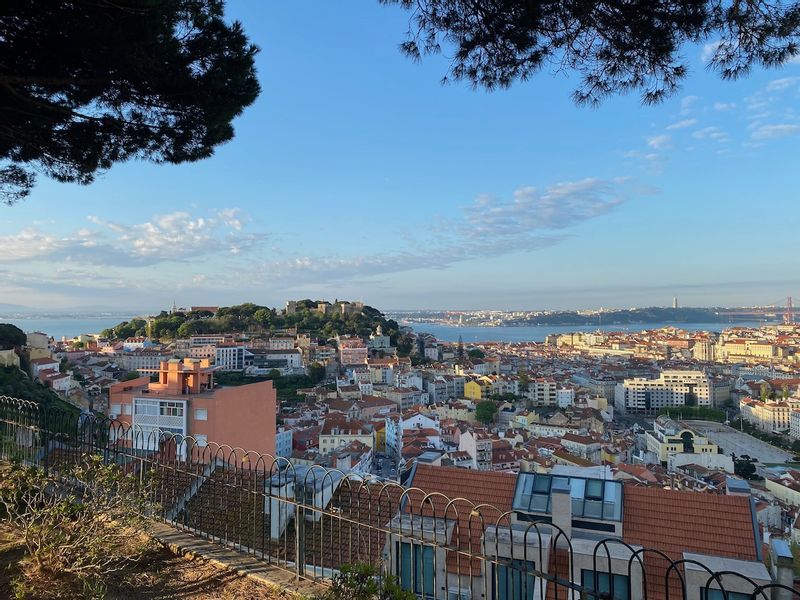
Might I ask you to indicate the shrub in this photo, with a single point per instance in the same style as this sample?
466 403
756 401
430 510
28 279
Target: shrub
80 526
360 581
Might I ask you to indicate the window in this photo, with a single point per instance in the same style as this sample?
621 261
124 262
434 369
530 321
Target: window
718 595
514 581
171 409
116 409
416 576
127 409
201 440
620 582
201 414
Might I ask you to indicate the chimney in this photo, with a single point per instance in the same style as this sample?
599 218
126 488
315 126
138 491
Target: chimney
561 506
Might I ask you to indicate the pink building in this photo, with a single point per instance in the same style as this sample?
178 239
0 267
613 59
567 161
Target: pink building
186 402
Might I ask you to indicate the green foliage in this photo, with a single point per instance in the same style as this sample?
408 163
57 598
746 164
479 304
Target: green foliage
744 468
85 523
251 317
613 47
285 387
702 413
10 336
360 581
130 375
476 353
485 411
15 383
96 83
316 372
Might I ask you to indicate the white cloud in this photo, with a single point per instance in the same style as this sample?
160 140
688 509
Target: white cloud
170 237
681 124
687 103
723 106
659 142
489 227
768 132
711 133
784 83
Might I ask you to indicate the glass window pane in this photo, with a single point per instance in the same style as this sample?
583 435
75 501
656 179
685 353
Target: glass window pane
593 509
541 484
594 489
577 487
405 566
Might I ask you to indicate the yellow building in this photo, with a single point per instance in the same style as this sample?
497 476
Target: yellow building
380 438
473 390
668 439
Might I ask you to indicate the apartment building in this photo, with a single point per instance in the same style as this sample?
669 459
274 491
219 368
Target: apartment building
352 350
231 357
145 361
714 530
543 392
769 415
338 432
186 402
672 388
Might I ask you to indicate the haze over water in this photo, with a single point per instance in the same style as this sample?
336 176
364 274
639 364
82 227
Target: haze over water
449 333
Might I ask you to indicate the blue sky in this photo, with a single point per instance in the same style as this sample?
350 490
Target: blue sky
356 174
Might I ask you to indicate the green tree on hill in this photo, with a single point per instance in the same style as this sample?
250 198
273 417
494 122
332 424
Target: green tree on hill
485 411
11 336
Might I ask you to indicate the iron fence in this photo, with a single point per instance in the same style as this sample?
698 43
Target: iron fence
312 521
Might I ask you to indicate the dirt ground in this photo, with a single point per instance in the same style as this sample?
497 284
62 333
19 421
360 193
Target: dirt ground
163 576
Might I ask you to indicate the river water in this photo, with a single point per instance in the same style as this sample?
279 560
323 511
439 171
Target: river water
69 327
451 333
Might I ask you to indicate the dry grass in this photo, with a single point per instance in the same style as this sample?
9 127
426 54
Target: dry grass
161 576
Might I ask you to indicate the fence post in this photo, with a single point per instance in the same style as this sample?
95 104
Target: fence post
300 541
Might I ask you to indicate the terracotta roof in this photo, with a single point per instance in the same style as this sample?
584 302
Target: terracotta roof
476 488
676 522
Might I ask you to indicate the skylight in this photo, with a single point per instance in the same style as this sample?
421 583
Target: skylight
591 498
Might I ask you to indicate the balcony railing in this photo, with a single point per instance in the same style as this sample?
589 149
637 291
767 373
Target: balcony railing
311 521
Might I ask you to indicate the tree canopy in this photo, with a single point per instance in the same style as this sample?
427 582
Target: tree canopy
85 84
485 411
614 45
10 336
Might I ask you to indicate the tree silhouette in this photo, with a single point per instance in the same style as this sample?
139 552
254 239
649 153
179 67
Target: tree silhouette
614 45
85 84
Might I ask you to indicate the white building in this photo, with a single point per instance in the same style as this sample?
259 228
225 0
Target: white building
672 388
283 442
230 358
565 397
770 415
397 424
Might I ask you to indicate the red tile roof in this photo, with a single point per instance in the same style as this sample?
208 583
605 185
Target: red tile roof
476 488
676 522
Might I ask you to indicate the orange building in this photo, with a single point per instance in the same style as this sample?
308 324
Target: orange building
186 402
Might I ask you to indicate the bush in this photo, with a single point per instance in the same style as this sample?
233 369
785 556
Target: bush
79 528
360 582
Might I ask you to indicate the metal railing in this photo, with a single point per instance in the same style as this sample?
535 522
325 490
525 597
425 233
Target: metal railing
312 521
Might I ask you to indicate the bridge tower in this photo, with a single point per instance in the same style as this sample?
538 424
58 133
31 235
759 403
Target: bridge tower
789 316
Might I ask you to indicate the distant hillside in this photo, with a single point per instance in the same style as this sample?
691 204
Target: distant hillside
250 317
628 316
